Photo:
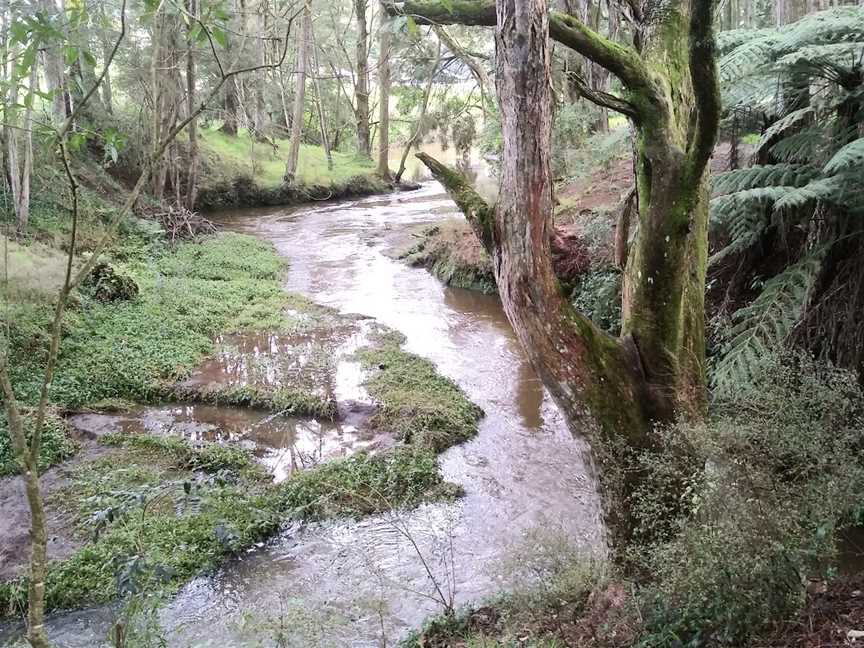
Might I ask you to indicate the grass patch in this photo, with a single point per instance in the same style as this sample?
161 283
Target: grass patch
416 403
364 484
130 349
295 401
56 445
232 157
180 507
144 501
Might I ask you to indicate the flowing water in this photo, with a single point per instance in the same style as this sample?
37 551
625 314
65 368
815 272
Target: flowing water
346 583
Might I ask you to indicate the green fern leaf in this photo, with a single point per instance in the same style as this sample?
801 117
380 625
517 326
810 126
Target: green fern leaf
761 326
851 155
771 175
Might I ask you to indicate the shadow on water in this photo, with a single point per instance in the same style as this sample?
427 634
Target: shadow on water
347 583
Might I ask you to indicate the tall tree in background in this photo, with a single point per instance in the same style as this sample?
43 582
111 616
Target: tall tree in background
299 96
361 86
654 372
191 78
384 97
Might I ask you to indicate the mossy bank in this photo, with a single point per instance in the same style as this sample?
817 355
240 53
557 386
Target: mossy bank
158 510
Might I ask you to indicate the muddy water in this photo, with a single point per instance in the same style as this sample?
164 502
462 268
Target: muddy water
282 444
353 583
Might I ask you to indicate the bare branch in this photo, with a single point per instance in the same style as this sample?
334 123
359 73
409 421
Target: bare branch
603 99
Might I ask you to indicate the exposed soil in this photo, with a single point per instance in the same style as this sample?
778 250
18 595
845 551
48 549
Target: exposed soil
833 617
15 521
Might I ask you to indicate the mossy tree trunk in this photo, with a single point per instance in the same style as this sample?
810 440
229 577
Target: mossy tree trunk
654 372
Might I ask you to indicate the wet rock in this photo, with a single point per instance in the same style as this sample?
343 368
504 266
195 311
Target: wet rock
108 285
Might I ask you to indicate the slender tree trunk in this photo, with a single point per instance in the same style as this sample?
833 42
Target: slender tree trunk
427 93
107 92
325 142
361 89
55 70
299 97
192 174
384 98
22 207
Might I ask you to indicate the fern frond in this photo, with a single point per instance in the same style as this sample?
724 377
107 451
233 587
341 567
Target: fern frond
801 147
748 57
851 155
785 123
761 326
823 189
770 175
840 24
844 54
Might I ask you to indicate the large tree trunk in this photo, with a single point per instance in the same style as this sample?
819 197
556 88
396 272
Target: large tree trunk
654 373
384 100
299 97
361 88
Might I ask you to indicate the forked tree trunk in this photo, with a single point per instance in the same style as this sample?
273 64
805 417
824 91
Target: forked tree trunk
361 88
654 373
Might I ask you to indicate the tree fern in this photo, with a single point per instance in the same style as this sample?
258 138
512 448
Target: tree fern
769 175
848 157
789 121
801 147
760 327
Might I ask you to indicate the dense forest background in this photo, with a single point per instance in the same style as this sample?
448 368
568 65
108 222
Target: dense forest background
721 358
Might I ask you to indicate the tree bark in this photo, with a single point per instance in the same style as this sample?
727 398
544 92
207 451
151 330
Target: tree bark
192 168
655 372
361 88
299 98
384 99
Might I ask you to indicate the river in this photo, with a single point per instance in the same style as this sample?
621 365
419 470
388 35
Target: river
368 583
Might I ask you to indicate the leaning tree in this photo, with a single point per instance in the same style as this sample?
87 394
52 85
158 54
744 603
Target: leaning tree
655 371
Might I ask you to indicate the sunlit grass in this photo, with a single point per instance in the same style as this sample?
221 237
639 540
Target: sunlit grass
241 155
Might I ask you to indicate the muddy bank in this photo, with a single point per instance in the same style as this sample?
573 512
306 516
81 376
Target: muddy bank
15 518
307 414
451 252
244 192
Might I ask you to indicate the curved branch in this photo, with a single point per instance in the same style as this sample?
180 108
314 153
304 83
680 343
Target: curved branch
478 213
622 61
706 88
603 99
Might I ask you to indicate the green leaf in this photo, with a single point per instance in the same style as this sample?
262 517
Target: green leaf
220 36
76 141
413 29
71 54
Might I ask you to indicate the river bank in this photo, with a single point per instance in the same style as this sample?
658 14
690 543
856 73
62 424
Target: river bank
327 404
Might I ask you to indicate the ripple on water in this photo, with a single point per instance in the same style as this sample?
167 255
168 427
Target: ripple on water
344 583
